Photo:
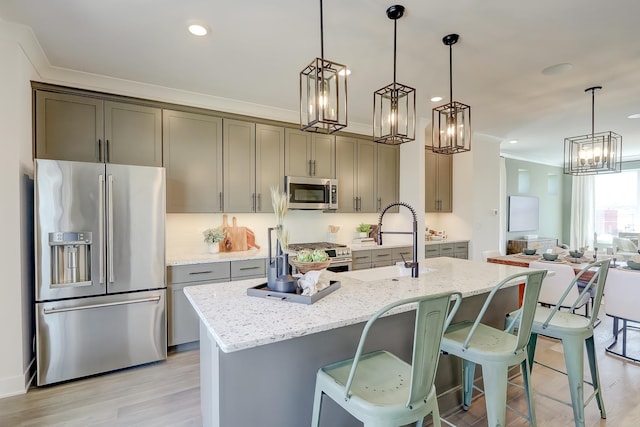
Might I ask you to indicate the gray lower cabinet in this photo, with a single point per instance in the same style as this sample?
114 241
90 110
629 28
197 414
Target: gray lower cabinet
182 321
193 161
379 257
451 249
89 129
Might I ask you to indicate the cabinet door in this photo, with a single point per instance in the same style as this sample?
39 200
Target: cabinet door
438 182
445 188
269 164
297 153
388 182
366 176
346 171
68 127
133 134
239 158
323 155
193 161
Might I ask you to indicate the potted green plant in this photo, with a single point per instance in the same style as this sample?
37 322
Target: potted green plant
213 237
363 229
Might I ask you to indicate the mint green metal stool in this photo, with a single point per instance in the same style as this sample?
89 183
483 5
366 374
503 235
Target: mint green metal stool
575 331
378 388
496 350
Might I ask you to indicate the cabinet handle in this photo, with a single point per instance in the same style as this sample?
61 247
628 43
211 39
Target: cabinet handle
220 203
249 268
382 255
107 157
359 204
259 207
253 201
201 272
310 172
314 168
99 151
379 204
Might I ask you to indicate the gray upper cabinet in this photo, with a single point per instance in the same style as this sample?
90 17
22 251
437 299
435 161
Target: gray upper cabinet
239 157
309 154
89 129
68 127
192 145
269 164
438 185
388 182
133 134
356 173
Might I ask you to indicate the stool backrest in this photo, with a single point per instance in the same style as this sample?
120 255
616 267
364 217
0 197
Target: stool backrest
432 318
554 285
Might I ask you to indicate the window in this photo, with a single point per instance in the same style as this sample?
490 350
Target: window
617 204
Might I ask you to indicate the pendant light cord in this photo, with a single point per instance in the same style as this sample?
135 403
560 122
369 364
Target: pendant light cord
451 73
593 107
321 36
395 36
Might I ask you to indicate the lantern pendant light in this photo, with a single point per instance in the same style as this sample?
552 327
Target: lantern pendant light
593 154
323 93
394 106
451 123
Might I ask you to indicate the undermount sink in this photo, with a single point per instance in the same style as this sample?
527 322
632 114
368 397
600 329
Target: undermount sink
383 273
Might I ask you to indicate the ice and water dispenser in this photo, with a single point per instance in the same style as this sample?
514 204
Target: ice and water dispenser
70 258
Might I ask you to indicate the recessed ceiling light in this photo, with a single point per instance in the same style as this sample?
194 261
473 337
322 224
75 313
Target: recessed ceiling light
436 99
557 69
342 72
513 141
634 116
198 30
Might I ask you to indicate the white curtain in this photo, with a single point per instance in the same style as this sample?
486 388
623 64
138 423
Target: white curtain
582 212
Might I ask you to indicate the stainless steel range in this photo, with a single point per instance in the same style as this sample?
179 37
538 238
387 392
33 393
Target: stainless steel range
340 254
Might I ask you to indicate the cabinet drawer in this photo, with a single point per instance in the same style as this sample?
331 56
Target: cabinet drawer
461 247
361 257
382 263
446 249
398 253
209 271
248 268
431 251
378 255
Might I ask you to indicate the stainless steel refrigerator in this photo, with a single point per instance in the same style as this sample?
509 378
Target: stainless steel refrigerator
100 268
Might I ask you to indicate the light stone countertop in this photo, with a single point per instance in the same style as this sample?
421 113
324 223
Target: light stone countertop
238 321
193 257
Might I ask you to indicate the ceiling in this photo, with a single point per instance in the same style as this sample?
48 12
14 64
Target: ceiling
256 49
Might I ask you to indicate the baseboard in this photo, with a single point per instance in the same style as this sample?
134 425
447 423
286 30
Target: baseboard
19 384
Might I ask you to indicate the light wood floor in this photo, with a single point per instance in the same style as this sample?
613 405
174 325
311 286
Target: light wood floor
167 394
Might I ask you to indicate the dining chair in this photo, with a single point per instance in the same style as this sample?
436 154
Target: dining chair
379 388
576 332
496 350
554 285
621 303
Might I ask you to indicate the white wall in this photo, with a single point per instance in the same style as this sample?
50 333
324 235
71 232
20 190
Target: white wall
16 318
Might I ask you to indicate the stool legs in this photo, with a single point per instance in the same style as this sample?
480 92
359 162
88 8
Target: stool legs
494 376
574 361
595 375
468 372
317 403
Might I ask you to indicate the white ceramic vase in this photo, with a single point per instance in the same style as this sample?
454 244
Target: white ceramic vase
214 248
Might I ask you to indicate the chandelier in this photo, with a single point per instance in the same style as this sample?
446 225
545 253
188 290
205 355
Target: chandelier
595 153
394 106
323 93
451 123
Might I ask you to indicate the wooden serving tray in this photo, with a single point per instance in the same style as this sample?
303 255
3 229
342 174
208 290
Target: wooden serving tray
263 292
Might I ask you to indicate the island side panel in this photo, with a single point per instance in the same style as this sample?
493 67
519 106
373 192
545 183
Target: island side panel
274 384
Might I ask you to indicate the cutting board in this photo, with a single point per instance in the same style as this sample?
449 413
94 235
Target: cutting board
238 238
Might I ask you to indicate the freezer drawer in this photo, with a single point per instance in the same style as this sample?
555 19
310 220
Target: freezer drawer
87 336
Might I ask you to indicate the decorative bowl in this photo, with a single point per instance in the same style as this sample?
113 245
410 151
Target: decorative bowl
550 257
633 264
529 251
576 254
305 267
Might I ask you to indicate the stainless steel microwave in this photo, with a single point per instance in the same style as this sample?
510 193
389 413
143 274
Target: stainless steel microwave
312 193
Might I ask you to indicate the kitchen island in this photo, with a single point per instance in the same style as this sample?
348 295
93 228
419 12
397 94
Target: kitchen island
259 357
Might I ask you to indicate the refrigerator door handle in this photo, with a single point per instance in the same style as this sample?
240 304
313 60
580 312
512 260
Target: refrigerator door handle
101 225
110 277
108 304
